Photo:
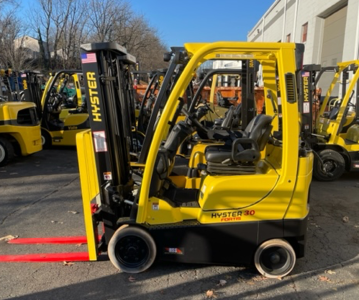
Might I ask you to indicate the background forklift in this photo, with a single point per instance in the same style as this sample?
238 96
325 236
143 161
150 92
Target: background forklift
243 208
19 130
59 122
335 134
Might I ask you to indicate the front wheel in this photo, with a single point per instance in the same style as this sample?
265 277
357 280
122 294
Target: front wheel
131 249
6 151
331 166
45 139
275 258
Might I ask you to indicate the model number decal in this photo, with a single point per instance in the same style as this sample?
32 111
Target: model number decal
232 215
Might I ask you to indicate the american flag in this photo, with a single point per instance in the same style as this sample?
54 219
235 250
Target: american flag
305 74
87 58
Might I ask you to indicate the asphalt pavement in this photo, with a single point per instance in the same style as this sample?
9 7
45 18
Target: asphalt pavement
40 197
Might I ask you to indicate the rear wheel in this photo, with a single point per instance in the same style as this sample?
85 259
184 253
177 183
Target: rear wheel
275 258
331 167
131 249
6 151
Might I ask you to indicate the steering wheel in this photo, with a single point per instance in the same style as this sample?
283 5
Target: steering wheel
55 105
194 120
334 102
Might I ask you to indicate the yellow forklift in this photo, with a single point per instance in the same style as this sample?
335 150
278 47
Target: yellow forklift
19 130
59 122
19 124
335 135
250 202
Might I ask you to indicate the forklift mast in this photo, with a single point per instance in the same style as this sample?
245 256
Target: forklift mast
307 84
178 60
33 91
6 86
149 97
249 70
108 85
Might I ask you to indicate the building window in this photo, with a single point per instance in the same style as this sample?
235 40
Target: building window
288 38
304 32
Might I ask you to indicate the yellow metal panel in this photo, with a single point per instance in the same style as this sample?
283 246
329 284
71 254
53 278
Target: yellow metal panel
179 181
160 212
298 207
75 119
237 191
28 137
290 127
89 187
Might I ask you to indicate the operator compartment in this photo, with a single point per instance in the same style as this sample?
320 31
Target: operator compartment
235 161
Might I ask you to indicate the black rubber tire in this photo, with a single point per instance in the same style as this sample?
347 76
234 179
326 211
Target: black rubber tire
132 249
45 139
275 258
6 151
333 162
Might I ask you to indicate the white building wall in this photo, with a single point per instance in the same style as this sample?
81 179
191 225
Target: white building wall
271 27
27 42
351 38
274 21
333 38
289 20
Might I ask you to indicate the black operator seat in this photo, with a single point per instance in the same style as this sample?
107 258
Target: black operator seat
228 126
241 155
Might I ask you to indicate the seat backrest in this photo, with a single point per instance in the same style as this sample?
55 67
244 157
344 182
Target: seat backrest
232 118
237 117
227 120
259 129
333 113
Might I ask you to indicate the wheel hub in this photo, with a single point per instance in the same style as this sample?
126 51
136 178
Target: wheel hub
274 259
131 251
329 165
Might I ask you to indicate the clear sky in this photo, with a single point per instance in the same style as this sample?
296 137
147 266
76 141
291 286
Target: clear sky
179 22
182 21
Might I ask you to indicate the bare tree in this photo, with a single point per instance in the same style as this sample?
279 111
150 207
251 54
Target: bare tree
73 35
104 17
14 53
61 26
113 20
142 41
51 19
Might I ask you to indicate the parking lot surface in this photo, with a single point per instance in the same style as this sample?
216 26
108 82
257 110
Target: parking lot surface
40 197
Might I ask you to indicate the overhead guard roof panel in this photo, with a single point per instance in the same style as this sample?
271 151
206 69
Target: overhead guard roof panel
241 50
104 46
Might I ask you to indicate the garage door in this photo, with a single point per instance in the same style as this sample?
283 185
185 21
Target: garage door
333 43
